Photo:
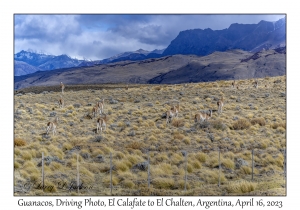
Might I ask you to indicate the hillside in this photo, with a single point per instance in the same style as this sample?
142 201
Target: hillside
182 150
227 66
231 64
121 72
22 68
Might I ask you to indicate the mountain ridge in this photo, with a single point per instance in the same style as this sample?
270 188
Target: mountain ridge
231 64
248 37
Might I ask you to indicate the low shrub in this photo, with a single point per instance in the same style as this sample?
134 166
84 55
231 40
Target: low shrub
261 121
241 124
19 142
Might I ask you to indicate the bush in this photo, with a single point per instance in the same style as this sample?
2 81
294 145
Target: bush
219 125
241 124
19 142
261 121
276 125
204 124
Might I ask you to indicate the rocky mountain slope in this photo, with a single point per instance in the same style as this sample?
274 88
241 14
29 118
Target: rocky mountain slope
248 37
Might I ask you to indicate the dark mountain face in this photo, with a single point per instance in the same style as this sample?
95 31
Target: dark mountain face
248 37
132 57
137 57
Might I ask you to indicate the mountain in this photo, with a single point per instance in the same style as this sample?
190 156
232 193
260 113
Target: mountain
31 58
130 56
201 42
137 56
45 62
232 64
22 68
248 37
58 62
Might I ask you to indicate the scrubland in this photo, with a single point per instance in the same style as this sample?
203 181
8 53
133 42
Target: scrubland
251 119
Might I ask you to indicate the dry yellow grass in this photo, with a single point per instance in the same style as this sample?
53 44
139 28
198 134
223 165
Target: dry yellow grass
250 119
239 187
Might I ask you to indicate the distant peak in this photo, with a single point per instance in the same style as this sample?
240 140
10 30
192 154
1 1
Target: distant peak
142 51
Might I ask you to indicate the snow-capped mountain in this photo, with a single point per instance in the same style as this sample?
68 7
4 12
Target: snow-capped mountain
46 62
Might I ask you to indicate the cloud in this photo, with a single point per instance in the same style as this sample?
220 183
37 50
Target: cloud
94 36
50 28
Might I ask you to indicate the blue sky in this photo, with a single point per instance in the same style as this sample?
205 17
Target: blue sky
97 37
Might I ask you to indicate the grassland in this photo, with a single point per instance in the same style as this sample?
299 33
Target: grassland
251 119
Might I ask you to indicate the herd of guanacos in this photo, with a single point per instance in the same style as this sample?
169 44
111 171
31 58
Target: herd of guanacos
170 114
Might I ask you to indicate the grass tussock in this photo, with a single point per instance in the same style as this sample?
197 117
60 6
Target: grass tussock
178 136
246 170
241 124
212 176
260 121
163 183
26 155
50 187
201 157
135 145
106 181
228 163
128 184
241 186
180 185
18 142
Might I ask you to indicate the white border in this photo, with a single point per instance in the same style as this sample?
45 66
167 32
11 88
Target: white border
8 8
